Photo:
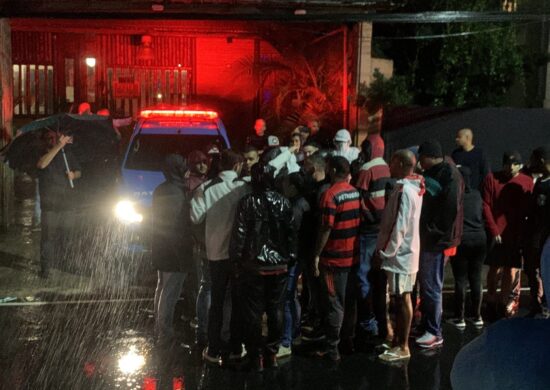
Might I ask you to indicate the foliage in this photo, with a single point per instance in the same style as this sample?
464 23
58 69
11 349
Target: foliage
384 92
459 64
296 87
477 70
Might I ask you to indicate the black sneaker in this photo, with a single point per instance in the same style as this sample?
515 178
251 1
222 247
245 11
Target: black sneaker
254 364
270 361
315 335
332 356
211 359
477 322
458 323
346 347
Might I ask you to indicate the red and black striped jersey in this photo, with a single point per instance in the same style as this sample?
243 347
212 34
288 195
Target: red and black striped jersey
340 210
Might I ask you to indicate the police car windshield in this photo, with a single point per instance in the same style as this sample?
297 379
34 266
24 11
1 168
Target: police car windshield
148 151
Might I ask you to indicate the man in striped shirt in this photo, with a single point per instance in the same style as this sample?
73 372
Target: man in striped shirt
373 180
337 252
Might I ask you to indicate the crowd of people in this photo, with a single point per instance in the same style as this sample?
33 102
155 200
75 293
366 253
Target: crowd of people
340 248
337 247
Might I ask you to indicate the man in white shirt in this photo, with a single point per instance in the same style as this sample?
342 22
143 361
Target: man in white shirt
215 202
398 247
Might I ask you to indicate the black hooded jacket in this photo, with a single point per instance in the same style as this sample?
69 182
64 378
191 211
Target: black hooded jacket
172 240
264 234
441 220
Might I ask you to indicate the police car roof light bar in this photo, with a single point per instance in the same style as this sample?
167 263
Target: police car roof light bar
192 114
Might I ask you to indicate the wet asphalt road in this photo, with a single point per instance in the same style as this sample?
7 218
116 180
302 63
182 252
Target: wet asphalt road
109 346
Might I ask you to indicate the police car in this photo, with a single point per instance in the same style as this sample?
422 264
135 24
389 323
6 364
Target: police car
160 131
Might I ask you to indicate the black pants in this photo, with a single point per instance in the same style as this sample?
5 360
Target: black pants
338 295
262 294
467 266
531 257
221 279
53 238
311 301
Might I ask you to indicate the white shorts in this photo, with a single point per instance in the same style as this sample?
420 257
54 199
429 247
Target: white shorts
399 284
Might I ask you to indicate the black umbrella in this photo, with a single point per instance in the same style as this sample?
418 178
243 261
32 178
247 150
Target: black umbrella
94 137
24 151
94 143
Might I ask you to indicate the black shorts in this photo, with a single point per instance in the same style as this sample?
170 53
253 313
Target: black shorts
504 255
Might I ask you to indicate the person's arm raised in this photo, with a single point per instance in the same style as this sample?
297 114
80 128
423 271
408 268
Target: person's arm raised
46 159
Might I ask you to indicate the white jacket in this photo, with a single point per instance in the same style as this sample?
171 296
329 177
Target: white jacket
286 158
350 153
399 239
216 201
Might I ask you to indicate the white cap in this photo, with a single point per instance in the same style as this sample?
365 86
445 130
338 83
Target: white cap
214 150
342 135
273 140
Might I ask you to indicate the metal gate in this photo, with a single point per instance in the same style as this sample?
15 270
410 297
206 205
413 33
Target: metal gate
131 89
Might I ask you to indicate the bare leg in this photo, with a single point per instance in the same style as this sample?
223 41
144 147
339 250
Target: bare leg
404 319
390 332
508 276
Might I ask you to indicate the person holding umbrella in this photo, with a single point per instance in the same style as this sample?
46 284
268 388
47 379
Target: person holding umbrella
57 169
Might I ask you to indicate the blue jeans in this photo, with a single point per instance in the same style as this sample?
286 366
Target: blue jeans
169 285
367 246
292 308
203 304
431 288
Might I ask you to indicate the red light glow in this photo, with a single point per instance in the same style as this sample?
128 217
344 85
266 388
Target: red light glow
192 114
149 383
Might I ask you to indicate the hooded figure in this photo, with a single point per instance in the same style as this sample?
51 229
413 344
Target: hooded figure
171 236
342 144
172 245
198 169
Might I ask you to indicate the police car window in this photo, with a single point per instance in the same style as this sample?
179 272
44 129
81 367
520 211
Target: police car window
149 150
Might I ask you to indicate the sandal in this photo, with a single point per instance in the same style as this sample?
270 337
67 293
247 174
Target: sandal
393 355
383 347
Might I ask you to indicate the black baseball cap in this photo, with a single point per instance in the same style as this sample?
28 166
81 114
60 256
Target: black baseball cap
511 157
431 148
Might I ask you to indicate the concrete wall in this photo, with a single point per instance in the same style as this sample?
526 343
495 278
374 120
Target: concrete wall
6 112
383 65
368 122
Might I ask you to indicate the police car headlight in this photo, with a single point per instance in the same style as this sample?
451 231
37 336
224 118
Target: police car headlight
125 212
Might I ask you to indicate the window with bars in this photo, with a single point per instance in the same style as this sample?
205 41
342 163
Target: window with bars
33 89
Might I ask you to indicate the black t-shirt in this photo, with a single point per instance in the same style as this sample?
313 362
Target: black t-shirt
55 191
474 226
312 217
475 160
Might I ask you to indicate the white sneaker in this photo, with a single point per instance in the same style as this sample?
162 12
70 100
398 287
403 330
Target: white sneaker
458 323
428 340
477 322
284 352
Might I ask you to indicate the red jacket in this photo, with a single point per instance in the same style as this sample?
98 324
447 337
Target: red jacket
505 202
